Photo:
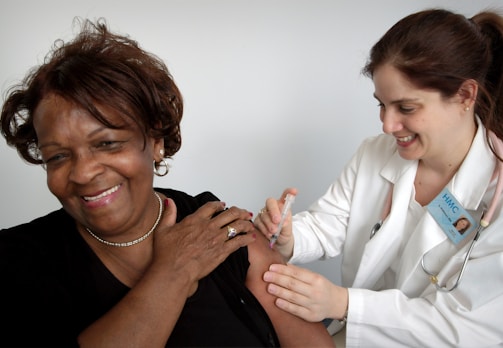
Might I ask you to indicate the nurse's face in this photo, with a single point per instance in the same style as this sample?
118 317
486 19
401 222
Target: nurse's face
102 176
426 126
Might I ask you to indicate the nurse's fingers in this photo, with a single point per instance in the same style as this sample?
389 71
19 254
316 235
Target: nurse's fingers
263 221
260 225
295 279
299 273
298 310
294 303
272 214
274 206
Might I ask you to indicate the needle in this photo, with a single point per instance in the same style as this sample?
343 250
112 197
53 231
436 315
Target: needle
284 213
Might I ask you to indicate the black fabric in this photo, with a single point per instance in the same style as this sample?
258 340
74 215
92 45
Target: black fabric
52 286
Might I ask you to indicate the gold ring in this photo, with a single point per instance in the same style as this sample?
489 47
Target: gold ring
262 211
231 232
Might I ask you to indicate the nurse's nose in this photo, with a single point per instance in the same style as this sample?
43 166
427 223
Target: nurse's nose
391 121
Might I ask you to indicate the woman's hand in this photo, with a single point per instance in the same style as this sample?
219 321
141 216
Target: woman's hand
183 253
306 294
268 219
196 245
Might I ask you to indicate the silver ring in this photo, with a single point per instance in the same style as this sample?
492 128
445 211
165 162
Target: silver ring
231 232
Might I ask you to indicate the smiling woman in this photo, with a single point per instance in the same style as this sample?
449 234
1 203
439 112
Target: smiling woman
409 281
80 149
123 263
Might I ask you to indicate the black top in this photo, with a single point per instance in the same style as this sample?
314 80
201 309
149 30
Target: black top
52 286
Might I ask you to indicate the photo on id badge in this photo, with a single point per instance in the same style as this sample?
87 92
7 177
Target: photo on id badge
454 220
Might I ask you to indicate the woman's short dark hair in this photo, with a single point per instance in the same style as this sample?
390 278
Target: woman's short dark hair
97 68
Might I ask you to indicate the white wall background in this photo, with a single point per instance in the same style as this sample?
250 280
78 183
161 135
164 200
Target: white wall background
273 91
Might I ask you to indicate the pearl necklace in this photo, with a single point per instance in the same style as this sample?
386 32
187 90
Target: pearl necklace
136 241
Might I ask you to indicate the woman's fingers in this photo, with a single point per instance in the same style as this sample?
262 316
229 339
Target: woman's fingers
169 215
200 242
227 216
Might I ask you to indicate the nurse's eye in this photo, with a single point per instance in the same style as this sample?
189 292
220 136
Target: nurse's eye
407 109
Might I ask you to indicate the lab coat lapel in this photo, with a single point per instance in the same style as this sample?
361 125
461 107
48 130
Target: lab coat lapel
468 186
426 235
382 249
474 176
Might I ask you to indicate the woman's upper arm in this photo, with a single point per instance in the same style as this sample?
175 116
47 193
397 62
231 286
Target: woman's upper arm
291 330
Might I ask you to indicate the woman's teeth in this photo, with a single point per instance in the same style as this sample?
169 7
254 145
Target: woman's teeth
101 195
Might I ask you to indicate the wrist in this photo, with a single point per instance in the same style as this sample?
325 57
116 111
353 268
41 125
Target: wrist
342 305
338 323
286 250
344 318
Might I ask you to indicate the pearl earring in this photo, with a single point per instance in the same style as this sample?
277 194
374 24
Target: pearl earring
467 108
162 152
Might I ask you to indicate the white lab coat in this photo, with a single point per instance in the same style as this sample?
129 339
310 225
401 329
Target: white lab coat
406 310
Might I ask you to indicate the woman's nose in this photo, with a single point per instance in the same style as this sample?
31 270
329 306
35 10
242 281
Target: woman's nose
84 168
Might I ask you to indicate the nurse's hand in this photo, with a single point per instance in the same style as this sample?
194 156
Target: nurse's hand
268 219
306 294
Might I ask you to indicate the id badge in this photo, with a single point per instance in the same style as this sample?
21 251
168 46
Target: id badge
454 220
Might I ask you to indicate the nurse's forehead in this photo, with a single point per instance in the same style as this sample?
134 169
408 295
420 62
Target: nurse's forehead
400 100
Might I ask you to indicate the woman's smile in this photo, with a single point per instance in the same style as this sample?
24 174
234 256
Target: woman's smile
102 198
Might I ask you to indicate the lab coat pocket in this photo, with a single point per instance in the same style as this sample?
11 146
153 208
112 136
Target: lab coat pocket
482 282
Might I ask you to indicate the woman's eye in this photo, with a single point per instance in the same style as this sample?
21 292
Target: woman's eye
54 158
108 144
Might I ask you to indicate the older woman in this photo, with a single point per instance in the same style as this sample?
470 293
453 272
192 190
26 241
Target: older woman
124 264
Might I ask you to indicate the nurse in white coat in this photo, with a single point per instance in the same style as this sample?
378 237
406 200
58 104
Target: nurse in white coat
417 281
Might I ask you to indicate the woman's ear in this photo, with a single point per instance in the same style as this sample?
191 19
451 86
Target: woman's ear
159 152
468 93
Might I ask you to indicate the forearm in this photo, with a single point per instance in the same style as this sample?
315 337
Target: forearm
146 316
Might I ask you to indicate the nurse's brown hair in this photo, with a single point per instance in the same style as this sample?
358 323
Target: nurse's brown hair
437 49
